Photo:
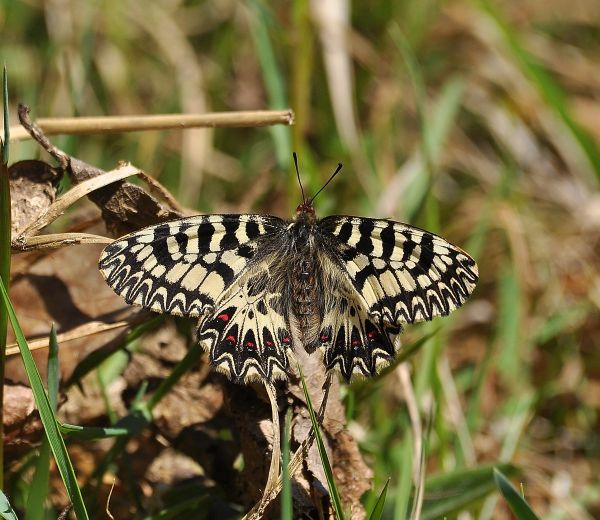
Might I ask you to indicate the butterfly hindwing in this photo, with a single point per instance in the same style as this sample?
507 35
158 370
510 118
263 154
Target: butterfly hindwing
248 335
399 272
352 341
182 267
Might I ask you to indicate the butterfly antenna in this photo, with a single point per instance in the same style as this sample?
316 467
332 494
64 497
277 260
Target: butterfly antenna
298 175
337 170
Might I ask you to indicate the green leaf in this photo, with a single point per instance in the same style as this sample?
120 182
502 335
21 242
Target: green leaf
287 512
377 512
38 490
451 492
5 240
6 510
47 416
509 324
6 141
515 501
334 494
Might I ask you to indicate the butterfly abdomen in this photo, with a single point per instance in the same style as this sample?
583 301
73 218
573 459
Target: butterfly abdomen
306 300
305 282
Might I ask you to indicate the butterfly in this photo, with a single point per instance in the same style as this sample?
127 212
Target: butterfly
262 287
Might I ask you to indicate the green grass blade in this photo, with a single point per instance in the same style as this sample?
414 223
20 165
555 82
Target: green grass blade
273 79
95 432
39 488
5 240
509 326
336 501
47 416
287 512
403 462
6 141
449 493
6 510
377 511
515 501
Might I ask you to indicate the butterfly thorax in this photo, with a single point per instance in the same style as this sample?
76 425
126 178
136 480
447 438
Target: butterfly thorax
306 290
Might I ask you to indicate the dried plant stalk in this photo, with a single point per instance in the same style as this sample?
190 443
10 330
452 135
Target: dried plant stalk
116 124
87 329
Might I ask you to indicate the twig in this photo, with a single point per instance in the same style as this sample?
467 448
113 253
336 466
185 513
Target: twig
273 478
107 509
56 240
31 129
87 329
115 124
295 464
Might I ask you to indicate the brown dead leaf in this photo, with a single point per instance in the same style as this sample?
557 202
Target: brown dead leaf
33 186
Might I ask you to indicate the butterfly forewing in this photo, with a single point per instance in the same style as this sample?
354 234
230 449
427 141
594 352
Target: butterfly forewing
182 267
400 273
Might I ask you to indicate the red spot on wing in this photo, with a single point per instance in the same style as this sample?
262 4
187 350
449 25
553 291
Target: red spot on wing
355 342
371 334
324 337
269 343
250 344
230 339
223 317
286 340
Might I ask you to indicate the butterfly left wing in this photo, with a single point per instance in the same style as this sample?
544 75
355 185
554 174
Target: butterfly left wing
181 267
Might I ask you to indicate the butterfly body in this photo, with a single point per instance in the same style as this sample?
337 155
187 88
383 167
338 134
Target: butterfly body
263 287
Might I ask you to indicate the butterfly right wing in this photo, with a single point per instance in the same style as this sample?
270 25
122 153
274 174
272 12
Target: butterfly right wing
182 267
351 340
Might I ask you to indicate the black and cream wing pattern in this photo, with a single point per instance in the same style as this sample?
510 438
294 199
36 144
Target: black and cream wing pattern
262 287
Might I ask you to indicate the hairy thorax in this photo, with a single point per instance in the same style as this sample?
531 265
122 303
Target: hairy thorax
306 286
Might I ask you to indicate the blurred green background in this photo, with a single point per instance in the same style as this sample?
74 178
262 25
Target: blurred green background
477 120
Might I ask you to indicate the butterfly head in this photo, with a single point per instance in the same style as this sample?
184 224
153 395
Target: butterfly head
306 210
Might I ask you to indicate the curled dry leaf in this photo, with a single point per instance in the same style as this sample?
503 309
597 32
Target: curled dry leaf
33 186
22 427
